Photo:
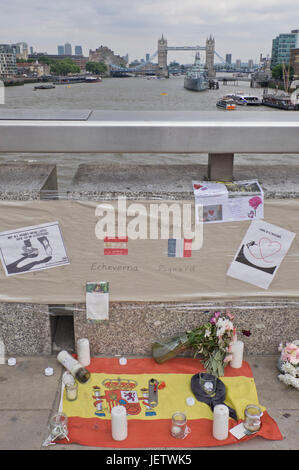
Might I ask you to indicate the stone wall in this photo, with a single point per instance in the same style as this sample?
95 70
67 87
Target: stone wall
133 327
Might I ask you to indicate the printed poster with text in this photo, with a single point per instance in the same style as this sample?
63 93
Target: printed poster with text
35 248
260 254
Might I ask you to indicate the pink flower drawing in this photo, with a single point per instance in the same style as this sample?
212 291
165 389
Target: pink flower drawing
254 202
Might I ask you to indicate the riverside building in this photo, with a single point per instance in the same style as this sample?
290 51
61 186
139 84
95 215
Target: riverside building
282 46
8 65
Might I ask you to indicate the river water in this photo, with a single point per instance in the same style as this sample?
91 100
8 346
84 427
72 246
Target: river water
135 94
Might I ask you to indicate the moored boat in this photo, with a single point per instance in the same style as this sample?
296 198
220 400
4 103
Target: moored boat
93 79
76 79
280 100
196 78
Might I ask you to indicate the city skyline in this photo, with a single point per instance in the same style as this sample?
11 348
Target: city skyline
134 27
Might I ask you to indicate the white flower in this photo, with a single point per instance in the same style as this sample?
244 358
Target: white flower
288 368
207 333
288 379
223 325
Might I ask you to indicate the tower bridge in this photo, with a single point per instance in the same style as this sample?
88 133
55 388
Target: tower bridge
209 49
162 51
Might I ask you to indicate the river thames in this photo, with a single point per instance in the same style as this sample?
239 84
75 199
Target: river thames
134 94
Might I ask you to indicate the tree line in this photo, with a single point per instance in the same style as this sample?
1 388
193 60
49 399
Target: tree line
66 66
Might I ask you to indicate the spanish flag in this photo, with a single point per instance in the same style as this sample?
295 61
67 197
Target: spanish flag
111 384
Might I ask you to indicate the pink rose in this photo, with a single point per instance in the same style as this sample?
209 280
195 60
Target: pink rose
214 318
254 202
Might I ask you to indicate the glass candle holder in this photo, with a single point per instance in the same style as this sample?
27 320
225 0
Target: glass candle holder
179 425
253 415
71 390
59 426
208 383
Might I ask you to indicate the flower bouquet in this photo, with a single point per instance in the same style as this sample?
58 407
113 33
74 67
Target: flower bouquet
288 364
211 342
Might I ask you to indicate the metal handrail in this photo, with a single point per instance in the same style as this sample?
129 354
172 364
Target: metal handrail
88 131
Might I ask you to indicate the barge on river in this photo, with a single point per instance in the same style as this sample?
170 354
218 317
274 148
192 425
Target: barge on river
279 100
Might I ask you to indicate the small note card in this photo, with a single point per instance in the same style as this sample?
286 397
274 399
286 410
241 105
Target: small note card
97 301
240 431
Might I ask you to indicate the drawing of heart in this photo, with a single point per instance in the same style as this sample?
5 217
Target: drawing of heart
197 186
211 212
265 249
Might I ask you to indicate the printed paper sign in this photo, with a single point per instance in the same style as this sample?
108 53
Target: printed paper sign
227 202
33 248
97 301
260 253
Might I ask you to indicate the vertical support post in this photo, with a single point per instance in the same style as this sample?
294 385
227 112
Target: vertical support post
220 166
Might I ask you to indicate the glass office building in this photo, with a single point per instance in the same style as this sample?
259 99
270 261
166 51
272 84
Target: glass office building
281 47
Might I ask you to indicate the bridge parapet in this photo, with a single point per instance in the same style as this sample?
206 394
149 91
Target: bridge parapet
152 132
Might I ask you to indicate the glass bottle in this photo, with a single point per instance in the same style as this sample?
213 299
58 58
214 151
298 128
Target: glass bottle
73 366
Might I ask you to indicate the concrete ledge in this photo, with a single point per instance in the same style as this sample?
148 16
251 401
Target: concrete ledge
23 181
98 181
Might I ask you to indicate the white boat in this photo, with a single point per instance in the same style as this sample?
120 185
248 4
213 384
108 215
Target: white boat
246 99
89 79
226 103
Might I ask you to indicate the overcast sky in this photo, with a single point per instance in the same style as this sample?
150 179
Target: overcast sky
244 28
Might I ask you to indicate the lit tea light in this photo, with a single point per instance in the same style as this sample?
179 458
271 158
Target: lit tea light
176 431
208 386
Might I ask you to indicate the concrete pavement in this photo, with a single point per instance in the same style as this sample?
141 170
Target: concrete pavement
28 398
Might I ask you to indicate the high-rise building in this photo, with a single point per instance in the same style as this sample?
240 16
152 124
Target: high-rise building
281 47
8 60
238 63
67 49
60 50
250 64
147 57
228 59
78 50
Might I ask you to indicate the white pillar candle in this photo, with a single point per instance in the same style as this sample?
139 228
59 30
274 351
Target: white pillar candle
2 352
119 423
220 422
237 353
83 351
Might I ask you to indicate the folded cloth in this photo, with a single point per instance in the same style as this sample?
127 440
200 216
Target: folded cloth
212 401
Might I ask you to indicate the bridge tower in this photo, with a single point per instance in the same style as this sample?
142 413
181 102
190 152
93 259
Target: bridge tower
162 56
210 51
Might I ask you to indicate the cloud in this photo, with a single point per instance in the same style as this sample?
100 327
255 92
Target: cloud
242 27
